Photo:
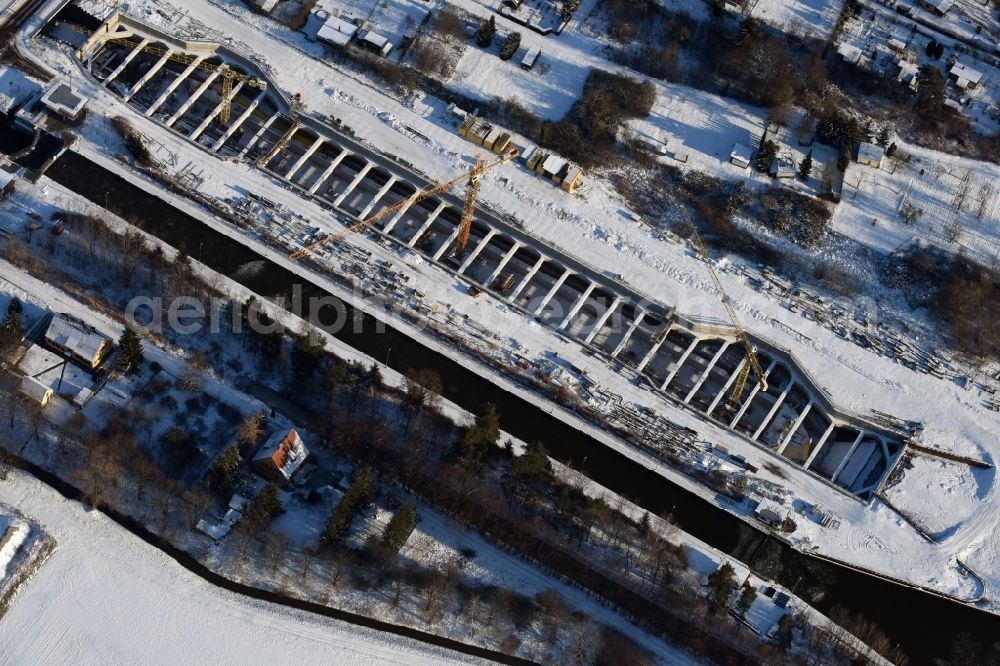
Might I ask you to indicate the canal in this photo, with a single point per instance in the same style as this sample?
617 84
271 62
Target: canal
921 623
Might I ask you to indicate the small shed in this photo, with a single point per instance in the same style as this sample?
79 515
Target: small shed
937 7
375 42
783 167
771 513
870 154
741 155
678 151
265 6
552 167
573 178
531 57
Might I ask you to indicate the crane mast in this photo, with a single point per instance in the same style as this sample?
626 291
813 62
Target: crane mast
229 75
751 362
472 179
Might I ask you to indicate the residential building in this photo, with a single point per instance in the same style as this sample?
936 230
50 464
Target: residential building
965 77
281 456
78 340
336 31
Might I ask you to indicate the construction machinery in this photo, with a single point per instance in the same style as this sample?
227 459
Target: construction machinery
229 75
468 208
750 362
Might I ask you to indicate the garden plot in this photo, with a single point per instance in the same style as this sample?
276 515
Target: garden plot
947 201
393 20
811 18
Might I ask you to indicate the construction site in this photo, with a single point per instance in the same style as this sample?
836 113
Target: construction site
773 411
219 100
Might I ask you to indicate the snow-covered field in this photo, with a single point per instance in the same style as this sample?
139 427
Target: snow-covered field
107 597
814 18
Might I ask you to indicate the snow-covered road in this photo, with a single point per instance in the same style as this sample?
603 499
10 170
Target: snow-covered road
107 597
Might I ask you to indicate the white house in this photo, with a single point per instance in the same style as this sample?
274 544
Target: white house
965 77
336 31
77 339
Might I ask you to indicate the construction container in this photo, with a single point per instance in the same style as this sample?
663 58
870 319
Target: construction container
491 137
573 178
502 143
535 158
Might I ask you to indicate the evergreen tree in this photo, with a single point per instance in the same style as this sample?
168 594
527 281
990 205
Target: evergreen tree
765 155
930 90
784 636
844 160
884 136
262 510
720 585
747 596
806 166
131 350
510 46
644 522
222 477
533 464
307 355
479 438
11 331
182 264
359 495
334 376
398 530
486 31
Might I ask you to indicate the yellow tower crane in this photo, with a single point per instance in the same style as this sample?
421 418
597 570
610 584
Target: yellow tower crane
472 188
750 362
229 75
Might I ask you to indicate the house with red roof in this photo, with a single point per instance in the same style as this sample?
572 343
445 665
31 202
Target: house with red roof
280 457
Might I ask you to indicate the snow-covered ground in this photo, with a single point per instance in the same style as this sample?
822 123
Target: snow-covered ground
13 533
589 225
105 596
813 18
